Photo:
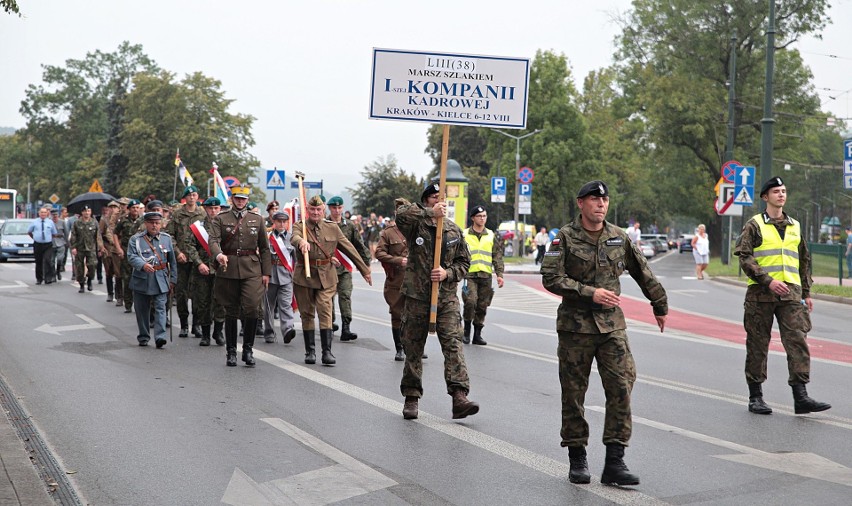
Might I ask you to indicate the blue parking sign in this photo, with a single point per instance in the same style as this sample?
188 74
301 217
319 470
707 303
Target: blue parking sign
525 189
498 189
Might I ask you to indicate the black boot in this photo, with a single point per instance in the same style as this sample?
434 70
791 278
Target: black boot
248 341
205 336
325 340
755 400
310 347
334 327
110 291
579 472
804 404
615 470
184 326
89 285
196 329
217 333
231 341
466 338
82 288
477 335
345 334
259 330
400 355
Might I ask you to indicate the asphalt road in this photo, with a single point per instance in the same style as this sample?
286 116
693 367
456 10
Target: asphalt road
144 426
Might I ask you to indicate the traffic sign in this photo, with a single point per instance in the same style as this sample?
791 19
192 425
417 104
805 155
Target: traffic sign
526 175
524 207
729 170
847 167
498 189
525 190
847 149
54 198
275 179
724 203
847 181
744 186
307 184
231 181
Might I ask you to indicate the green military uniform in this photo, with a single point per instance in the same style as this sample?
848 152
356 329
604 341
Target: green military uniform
391 251
478 290
87 241
109 254
125 229
344 277
205 309
178 228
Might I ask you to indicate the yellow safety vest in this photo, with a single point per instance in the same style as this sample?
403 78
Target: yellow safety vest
779 258
480 251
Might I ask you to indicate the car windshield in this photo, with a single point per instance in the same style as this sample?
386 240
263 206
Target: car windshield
16 228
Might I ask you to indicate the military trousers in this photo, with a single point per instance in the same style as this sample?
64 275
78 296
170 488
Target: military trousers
280 298
793 323
119 284
396 303
145 304
315 302
415 329
202 297
126 273
182 291
85 264
344 296
240 297
477 297
618 373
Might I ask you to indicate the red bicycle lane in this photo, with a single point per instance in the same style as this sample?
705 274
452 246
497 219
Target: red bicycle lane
707 326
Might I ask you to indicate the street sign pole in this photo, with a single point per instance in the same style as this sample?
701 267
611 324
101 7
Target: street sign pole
517 180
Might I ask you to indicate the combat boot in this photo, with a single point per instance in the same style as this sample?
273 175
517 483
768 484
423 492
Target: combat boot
615 470
325 340
289 335
205 336
196 329
346 334
477 335
579 472
462 407
803 404
82 288
310 347
217 333
466 337
89 285
334 327
184 326
259 331
400 355
248 341
409 409
231 341
110 289
755 400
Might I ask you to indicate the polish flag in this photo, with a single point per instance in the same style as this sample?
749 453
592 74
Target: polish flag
344 260
281 251
201 234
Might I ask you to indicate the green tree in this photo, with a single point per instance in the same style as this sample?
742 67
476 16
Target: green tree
382 182
10 6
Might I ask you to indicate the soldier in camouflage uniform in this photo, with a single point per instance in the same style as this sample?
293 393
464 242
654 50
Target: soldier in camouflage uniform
178 228
775 257
205 310
486 257
418 224
344 276
86 246
583 265
125 228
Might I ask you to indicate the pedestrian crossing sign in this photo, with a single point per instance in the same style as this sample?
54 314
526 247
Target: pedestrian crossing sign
275 179
744 197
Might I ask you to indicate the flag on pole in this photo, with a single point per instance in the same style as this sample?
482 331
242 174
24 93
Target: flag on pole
222 190
96 187
183 172
292 209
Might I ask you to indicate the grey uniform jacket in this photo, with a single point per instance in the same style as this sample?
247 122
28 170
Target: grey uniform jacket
139 253
280 274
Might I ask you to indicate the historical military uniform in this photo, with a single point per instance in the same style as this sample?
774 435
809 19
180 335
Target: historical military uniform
152 258
240 236
344 276
87 241
486 260
575 267
125 228
109 252
391 251
416 223
773 249
314 295
205 310
179 228
279 293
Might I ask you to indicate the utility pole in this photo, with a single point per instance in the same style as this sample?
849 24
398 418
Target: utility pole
729 145
766 124
515 250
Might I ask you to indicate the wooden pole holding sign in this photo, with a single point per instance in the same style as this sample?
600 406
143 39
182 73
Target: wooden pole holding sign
439 233
300 177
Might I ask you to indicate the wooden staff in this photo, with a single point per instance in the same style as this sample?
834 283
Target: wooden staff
439 233
300 177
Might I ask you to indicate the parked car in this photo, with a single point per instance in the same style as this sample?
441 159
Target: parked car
14 241
647 249
660 245
661 237
685 242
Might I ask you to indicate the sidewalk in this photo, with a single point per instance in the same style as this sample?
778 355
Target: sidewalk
20 484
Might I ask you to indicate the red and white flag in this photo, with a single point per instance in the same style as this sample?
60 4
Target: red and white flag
201 234
292 210
345 261
281 251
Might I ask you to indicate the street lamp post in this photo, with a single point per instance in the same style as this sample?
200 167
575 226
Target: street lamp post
515 249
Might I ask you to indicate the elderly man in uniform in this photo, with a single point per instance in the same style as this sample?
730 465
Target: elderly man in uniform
486 258
152 258
181 219
204 309
86 246
344 275
775 257
583 266
239 244
125 228
315 295
392 252
418 224
279 294
60 242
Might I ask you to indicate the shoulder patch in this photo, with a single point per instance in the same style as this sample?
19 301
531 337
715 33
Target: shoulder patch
615 241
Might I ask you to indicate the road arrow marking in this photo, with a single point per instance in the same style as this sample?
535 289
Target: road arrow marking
18 284
808 465
50 329
525 330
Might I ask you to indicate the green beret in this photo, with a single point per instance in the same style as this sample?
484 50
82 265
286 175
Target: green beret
212 201
189 189
335 201
251 205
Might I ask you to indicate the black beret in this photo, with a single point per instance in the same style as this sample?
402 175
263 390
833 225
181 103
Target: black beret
596 188
476 210
431 189
85 208
772 183
132 202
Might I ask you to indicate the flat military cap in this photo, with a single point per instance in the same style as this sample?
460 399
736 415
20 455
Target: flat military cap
316 200
114 203
281 215
189 189
596 188
335 201
476 210
771 183
430 189
241 192
124 201
154 204
212 201
153 216
132 202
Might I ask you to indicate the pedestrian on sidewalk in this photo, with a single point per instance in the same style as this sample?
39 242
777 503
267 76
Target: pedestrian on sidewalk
541 240
701 250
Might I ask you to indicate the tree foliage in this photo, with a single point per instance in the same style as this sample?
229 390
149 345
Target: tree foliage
382 182
10 7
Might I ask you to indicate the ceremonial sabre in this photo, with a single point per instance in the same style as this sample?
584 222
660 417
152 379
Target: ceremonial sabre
300 177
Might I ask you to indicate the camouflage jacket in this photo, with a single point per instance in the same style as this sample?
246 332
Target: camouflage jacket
496 256
85 236
178 227
415 223
196 254
575 266
351 233
751 238
125 229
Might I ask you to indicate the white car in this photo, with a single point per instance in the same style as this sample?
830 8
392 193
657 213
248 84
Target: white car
647 249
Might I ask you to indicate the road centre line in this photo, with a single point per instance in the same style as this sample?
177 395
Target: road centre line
509 451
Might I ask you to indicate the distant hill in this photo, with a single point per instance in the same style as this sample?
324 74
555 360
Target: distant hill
7 130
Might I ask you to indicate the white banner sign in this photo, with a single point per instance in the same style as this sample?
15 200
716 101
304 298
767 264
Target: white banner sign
446 88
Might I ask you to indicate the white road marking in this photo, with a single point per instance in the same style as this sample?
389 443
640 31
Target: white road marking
91 325
18 284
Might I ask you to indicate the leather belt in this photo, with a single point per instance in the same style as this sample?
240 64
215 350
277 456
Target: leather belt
240 252
160 267
317 263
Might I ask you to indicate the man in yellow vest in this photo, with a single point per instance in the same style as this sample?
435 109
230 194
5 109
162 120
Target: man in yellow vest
486 259
775 257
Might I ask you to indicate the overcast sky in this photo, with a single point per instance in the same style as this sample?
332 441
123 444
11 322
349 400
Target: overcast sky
303 68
